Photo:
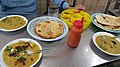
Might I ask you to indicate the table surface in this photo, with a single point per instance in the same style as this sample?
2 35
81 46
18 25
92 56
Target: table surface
85 55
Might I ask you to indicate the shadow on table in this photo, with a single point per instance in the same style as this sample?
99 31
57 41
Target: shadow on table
94 28
102 54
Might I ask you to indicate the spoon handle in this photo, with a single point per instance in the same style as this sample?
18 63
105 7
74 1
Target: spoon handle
46 49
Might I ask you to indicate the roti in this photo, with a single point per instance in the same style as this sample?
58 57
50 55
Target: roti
49 29
110 27
108 20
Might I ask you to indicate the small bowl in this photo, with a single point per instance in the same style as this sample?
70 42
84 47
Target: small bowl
2 29
104 33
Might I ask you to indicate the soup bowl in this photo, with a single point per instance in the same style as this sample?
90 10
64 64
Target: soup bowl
107 42
3 63
13 23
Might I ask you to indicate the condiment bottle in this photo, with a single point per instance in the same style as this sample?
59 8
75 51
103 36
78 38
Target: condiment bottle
75 33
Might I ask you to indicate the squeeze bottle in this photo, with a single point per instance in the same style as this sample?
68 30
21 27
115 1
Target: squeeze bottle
75 33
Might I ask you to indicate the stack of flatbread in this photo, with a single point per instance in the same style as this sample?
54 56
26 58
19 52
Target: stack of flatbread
108 21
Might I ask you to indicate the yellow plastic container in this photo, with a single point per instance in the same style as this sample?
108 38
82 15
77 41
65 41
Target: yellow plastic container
70 15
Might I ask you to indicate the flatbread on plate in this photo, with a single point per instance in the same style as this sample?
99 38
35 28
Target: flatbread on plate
108 20
49 29
109 27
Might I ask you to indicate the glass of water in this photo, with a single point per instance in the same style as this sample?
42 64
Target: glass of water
53 9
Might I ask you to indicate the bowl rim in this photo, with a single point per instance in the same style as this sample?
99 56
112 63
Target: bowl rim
2 29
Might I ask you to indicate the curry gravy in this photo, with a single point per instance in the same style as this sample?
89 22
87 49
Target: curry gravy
108 44
10 61
13 22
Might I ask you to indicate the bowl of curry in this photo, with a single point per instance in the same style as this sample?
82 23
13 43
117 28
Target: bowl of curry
107 43
12 23
14 53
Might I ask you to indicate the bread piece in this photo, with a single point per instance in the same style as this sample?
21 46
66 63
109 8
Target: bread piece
49 29
109 27
108 20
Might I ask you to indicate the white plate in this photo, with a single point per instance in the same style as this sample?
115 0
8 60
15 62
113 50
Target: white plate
17 40
104 33
16 28
32 24
93 17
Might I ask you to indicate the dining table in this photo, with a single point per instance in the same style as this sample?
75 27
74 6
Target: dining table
61 55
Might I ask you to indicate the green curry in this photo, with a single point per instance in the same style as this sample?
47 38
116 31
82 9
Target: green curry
16 56
108 44
13 22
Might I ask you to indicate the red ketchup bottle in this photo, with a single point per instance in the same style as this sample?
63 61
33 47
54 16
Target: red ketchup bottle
75 33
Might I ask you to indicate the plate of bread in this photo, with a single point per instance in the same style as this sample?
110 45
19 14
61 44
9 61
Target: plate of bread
107 22
47 28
